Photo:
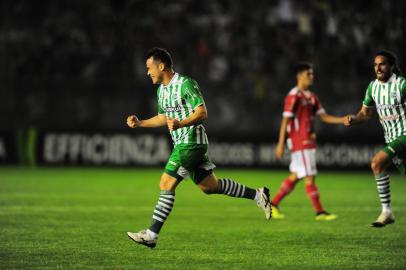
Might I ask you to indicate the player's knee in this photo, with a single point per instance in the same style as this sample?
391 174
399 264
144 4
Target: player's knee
164 186
309 182
168 183
293 178
376 166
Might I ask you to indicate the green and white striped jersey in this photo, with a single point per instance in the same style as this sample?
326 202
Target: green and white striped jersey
178 100
390 101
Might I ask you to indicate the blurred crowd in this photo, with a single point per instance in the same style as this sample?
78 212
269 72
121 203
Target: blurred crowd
72 65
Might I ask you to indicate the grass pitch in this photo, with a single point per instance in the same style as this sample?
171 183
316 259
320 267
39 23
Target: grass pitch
74 218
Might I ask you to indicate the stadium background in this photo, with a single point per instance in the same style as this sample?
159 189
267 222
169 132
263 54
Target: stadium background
71 72
77 68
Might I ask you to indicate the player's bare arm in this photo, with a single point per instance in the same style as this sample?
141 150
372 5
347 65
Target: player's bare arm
280 147
197 117
156 121
330 119
362 116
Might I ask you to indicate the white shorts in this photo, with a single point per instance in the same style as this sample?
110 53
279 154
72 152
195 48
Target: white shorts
303 163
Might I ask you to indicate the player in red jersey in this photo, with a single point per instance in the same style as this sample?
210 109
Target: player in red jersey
301 105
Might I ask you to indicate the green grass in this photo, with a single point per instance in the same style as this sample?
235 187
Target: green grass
58 218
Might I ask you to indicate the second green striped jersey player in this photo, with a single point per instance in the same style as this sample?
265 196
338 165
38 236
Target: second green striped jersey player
181 107
389 99
387 93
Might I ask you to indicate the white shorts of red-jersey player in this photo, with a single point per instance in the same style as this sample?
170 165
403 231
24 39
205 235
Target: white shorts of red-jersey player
303 162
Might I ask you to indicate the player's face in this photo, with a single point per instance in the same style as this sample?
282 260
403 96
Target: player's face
154 70
383 69
306 77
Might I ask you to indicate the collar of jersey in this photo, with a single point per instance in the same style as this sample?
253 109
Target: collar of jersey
306 93
174 78
391 79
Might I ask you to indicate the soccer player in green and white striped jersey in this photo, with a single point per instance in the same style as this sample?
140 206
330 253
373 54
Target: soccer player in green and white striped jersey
388 94
181 107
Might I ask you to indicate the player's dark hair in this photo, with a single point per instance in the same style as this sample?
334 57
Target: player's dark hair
161 55
391 58
302 66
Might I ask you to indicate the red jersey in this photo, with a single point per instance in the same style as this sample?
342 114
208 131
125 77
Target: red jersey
301 107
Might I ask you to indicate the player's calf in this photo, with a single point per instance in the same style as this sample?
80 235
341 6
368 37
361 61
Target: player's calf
234 189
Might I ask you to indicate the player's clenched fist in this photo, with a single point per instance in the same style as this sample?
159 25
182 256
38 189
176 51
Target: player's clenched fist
348 120
132 121
173 123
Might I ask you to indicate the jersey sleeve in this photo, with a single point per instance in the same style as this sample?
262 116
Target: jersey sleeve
402 87
290 102
368 100
191 93
318 108
159 107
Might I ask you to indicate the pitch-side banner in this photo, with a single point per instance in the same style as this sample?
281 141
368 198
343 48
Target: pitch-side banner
154 150
9 148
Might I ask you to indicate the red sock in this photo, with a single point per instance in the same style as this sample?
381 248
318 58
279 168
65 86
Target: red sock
314 197
286 187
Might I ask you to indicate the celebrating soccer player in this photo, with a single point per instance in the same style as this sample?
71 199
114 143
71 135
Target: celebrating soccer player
388 94
297 129
181 107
